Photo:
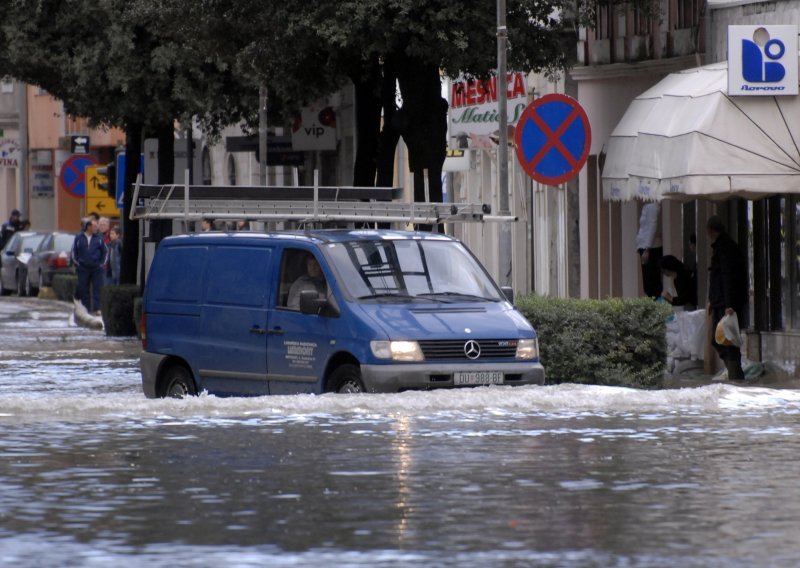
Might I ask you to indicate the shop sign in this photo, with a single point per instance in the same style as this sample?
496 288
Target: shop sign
9 152
762 60
474 117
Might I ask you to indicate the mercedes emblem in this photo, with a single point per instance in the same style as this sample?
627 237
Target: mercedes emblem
472 349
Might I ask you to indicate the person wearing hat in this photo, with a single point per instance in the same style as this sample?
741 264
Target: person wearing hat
10 227
727 290
683 280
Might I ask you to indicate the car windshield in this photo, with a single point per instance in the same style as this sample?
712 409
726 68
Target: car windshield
411 271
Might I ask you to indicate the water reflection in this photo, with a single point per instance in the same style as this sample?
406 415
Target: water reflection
92 473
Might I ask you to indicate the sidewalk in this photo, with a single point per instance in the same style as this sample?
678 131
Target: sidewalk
773 378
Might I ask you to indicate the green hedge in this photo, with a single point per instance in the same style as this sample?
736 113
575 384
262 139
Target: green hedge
64 286
137 316
116 303
603 342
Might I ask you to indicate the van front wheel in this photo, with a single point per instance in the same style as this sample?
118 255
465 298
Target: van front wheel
347 380
178 383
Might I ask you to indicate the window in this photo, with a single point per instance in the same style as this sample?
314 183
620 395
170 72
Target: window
790 262
231 170
206 166
411 271
300 270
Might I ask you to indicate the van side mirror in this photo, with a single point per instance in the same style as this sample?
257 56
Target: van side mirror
312 304
508 292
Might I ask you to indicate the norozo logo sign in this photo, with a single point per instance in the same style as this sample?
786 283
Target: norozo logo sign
762 60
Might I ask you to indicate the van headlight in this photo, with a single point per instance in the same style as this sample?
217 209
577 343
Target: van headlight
528 349
397 350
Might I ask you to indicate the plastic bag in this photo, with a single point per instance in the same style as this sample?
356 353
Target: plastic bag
727 332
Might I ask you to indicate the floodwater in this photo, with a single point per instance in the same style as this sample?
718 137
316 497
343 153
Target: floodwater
94 474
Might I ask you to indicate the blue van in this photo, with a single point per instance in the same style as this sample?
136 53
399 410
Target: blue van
327 311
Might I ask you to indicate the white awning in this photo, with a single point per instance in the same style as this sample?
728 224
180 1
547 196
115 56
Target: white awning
686 138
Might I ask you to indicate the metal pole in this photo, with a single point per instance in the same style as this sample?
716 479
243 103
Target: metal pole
262 135
502 149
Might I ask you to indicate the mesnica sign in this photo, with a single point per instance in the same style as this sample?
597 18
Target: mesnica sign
473 104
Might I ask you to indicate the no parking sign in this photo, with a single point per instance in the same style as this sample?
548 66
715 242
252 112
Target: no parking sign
552 139
73 174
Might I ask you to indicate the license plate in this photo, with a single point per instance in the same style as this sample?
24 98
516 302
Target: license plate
478 378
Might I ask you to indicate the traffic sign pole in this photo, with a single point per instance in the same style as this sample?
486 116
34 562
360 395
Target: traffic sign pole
502 148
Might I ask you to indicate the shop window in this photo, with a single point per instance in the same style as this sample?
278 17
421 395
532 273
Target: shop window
790 261
688 14
231 171
206 166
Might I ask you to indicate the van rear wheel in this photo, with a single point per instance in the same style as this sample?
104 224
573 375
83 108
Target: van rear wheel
346 380
178 383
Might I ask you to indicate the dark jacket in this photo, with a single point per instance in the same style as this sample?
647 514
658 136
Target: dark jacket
89 254
686 288
728 281
9 228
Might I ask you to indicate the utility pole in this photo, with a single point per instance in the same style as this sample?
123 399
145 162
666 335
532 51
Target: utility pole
502 149
262 136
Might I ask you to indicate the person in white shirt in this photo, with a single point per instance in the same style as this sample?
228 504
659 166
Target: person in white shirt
650 248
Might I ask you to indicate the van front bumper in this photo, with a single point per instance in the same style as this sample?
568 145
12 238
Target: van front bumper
396 377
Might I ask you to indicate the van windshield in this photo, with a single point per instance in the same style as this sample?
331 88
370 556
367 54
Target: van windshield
411 271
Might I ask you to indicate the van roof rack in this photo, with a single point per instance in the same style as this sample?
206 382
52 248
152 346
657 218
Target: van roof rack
303 204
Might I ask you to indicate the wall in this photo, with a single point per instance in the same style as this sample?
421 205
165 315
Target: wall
721 15
609 262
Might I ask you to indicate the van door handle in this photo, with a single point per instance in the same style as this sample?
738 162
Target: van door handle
275 331
257 330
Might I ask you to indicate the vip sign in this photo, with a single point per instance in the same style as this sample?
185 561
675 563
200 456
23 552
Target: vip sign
762 60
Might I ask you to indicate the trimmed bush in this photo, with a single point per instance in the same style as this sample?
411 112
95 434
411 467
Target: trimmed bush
64 286
602 342
116 303
137 316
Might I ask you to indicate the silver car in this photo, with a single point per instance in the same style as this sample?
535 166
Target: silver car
15 256
51 257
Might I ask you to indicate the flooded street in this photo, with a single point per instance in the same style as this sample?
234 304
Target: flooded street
93 474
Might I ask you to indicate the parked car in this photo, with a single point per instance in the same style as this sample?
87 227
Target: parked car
327 311
51 257
15 257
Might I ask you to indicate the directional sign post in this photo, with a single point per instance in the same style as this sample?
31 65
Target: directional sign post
97 198
73 176
552 139
120 185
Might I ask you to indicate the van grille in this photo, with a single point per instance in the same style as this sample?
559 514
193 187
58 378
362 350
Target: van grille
457 349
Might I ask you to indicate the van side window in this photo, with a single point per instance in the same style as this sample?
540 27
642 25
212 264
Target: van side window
238 276
179 264
300 270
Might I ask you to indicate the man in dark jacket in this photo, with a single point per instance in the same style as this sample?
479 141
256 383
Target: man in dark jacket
89 255
727 290
10 227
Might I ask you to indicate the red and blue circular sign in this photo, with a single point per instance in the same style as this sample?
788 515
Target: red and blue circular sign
552 139
73 174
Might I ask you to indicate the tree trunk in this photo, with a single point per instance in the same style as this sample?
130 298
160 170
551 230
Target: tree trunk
368 125
166 153
423 124
389 136
130 228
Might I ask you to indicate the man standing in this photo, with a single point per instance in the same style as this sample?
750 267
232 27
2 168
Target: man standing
727 290
650 249
89 255
10 227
